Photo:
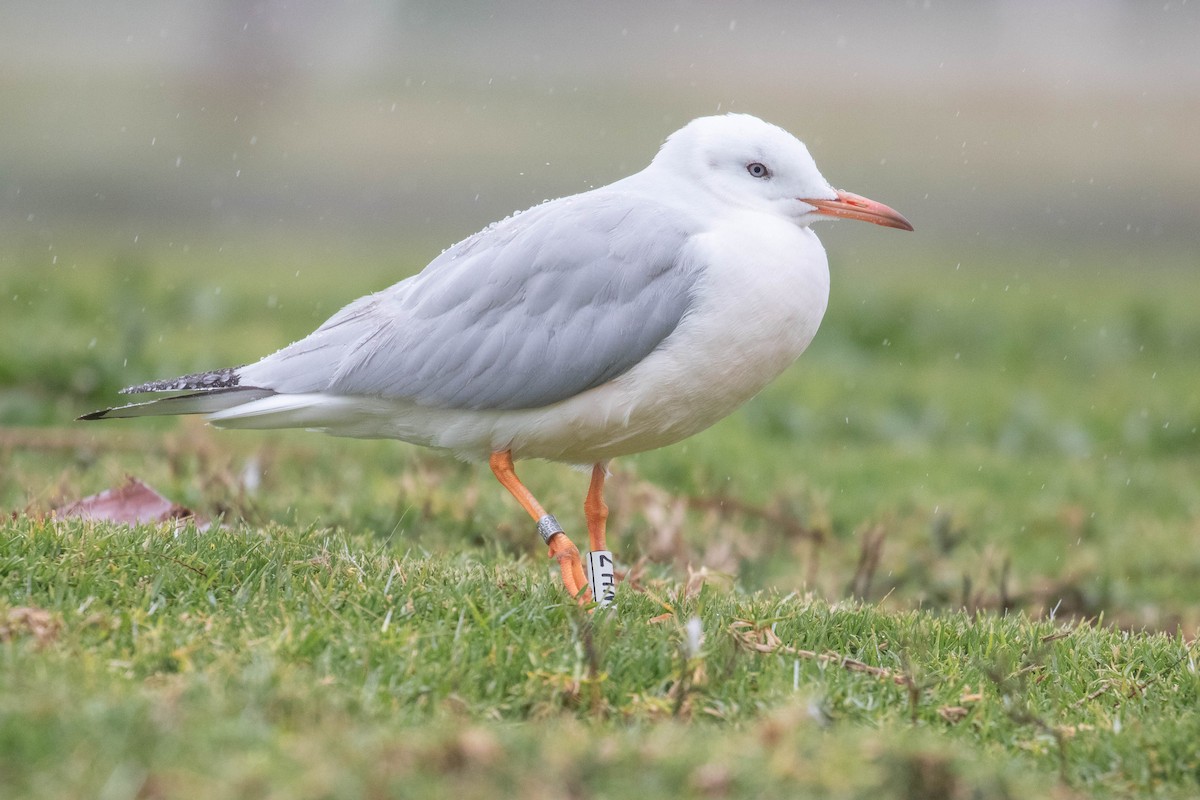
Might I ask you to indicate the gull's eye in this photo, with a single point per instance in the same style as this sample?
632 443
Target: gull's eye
758 170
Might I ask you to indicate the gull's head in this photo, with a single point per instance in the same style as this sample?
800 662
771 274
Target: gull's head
743 162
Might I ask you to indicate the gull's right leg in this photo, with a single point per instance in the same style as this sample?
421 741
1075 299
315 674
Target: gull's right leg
562 549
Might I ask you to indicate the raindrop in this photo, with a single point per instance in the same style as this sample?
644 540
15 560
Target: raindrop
695 636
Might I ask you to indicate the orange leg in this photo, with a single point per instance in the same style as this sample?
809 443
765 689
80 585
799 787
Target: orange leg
595 510
562 549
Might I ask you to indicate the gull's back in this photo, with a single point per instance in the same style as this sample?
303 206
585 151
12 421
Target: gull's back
535 309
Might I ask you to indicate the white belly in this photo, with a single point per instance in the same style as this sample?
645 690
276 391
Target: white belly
746 327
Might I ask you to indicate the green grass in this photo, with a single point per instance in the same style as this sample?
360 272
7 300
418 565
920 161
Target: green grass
979 481
298 663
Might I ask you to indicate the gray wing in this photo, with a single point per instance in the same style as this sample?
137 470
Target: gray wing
533 310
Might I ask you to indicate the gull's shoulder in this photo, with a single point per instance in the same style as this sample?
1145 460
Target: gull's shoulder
631 202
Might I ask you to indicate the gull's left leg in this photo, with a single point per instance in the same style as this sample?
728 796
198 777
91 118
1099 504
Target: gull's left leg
562 549
595 510
601 569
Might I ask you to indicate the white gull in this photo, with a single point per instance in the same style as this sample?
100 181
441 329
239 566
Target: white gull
607 323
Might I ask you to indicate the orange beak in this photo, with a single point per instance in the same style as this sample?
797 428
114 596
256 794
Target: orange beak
853 206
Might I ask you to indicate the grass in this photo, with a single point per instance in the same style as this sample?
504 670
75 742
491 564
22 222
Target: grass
951 554
314 664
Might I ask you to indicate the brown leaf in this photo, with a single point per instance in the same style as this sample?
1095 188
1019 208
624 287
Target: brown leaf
133 503
27 620
697 578
953 714
765 640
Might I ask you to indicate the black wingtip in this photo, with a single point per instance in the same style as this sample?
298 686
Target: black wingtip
226 378
94 415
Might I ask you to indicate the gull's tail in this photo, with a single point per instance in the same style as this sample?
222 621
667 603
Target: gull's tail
206 393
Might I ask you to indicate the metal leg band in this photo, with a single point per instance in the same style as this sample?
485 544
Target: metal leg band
548 526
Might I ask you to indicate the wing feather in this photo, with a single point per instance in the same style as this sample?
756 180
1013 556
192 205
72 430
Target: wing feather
533 310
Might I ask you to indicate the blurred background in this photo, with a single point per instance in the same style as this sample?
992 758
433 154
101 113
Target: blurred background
1052 131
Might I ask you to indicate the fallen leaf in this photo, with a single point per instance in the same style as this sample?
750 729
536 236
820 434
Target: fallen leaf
952 714
134 503
27 620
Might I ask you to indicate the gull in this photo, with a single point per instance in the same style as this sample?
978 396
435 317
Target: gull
611 322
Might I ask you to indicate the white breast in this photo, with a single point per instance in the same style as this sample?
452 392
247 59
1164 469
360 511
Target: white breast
762 296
